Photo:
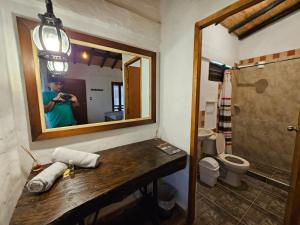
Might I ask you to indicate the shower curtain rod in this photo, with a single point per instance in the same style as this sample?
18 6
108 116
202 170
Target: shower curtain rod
266 63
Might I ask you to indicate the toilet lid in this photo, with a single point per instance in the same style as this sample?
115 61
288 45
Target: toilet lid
220 143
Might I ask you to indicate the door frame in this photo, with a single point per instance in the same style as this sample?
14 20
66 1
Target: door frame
83 97
292 215
126 75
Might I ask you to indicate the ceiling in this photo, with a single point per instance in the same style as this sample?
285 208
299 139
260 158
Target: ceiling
259 16
91 56
149 9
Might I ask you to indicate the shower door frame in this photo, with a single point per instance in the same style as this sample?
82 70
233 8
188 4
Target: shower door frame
291 216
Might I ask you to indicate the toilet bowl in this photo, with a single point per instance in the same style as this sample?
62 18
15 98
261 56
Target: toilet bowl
232 167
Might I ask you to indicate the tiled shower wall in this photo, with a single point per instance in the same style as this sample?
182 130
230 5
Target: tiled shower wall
263 110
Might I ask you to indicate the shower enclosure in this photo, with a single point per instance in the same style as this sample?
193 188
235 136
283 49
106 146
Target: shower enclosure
265 102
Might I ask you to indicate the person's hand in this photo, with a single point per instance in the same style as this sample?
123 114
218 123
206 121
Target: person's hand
74 99
59 97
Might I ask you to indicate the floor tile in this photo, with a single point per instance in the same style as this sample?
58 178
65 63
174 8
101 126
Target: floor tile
274 204
249 189
258 216
226 199
203 189
209 214
275 190
282 176
255 202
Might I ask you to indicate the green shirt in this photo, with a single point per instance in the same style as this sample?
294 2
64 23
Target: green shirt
61 114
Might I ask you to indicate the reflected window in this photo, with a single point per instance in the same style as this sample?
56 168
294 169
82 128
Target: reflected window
117 96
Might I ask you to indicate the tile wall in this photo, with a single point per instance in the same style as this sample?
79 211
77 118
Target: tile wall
265 102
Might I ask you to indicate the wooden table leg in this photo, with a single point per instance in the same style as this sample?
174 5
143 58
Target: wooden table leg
155 219
81 222
95 217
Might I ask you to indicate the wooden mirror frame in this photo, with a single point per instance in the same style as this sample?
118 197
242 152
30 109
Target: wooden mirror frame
27 58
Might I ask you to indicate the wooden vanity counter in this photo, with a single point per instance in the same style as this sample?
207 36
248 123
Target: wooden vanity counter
122 170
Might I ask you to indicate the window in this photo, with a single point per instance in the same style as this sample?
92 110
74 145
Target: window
117 96
216 71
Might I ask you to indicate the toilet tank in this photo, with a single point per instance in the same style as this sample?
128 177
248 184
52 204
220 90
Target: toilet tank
209 145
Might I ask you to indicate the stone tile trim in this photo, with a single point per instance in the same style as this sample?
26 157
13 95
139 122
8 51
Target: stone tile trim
272 57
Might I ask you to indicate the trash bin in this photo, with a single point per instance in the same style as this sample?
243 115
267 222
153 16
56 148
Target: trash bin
209 171
166 200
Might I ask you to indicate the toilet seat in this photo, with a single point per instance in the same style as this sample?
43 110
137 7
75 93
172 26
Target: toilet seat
233 161
229 160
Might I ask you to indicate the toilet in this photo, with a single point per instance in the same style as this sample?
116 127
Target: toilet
232 167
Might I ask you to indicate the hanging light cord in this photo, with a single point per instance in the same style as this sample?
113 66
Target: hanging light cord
49 7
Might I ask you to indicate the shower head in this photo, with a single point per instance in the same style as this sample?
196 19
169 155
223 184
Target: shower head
261 85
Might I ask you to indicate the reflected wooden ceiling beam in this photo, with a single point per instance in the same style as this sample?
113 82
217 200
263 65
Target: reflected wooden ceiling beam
74 50
271 20
133 60
255 15
119 56
115 63
106 55
92 50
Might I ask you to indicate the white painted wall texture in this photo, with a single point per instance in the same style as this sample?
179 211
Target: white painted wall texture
98 18
278 37
218 45
177 37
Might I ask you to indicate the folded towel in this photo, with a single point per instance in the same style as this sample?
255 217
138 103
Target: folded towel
45 179
80 159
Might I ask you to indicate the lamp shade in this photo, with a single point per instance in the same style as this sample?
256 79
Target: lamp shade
52 42
57 67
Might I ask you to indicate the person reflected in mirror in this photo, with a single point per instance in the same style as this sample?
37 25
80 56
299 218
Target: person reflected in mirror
58 106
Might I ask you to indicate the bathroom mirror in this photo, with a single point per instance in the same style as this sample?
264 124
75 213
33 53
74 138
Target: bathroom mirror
107 85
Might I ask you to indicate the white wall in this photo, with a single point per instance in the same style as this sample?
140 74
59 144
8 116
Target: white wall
177 37
97 78
98 18
278 37
145 84
218 45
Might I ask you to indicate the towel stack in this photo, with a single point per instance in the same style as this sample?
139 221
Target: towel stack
80 159
61 157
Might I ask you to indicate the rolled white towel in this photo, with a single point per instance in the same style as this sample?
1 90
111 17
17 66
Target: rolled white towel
45 179
80 159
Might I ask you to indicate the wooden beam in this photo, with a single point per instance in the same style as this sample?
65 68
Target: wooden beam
92 50
194 123
269 21
119 56
292 209
74 52
115 63
228 11
255 15
104 59
131 61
